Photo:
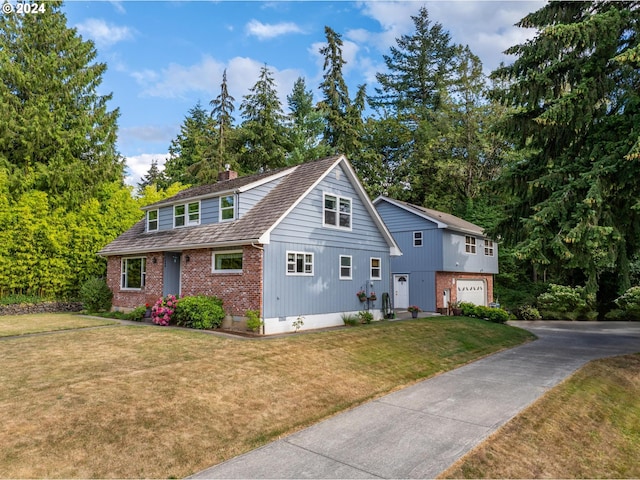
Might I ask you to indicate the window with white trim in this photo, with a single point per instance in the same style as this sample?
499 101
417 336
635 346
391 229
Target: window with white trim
227 261
417 239
376 269
488 248
345 267
186 215
336 211
470 244
134 273
152 220
227 208
299 263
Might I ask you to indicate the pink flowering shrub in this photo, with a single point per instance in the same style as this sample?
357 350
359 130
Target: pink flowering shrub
163 309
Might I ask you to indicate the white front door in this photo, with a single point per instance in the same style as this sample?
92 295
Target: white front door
400 291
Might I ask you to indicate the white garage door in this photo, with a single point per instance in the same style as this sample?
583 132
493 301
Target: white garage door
472 291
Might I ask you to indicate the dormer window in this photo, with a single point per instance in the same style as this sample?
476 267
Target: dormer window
152 220
186 215
227 208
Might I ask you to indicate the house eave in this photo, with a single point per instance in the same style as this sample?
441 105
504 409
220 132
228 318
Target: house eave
179 248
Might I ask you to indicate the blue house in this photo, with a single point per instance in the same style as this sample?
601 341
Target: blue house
296 242
445 258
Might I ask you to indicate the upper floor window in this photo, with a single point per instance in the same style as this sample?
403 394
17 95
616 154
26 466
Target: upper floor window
345 267
488 248
470 244
337 211
299 263
152 220
227 262
376 269
417 239
227 208
186 215
134 273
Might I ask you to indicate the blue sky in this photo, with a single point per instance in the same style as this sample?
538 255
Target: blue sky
164 56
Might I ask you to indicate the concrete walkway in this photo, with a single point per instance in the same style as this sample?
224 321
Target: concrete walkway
420 431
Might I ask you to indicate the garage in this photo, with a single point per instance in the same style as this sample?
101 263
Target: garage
472 291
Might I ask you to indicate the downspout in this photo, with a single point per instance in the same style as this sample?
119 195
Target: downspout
262 289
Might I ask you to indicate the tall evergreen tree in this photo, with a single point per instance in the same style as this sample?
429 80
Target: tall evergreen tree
153 177
191 151
575 91
305 125
56 133
222 112
263 130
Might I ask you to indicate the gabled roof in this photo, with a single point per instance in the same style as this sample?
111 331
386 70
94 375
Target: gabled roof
441 219
255 226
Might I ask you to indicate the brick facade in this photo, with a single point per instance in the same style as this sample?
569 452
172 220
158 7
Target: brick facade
239 291
446 280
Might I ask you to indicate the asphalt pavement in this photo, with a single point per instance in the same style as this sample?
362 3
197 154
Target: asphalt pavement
419 431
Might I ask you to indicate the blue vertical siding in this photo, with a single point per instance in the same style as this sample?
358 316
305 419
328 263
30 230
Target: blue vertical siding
302 231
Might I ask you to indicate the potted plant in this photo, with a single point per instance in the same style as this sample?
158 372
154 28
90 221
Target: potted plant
455 308
373 297
362 295
414 309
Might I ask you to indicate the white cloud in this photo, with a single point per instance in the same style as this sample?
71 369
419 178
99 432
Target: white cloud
117 4
102 33
265 31
138 166
180 81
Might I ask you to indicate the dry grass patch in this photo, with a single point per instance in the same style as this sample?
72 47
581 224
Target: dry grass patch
11 325
152 402
587 427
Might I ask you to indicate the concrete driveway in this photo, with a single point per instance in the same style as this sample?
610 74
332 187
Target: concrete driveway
421 430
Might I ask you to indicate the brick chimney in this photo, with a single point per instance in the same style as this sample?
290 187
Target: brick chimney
227 175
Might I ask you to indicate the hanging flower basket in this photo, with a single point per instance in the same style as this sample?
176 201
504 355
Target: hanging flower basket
362 296
373 297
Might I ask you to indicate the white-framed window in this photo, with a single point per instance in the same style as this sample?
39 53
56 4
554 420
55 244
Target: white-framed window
376 268
152 220
470 244
345 267
229 261
134 273
299 263
417 239
336 211
488 248
186 215
227 208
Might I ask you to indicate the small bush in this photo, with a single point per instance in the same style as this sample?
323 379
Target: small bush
19 298
200 312
527 312
629 303
495 315
350 320
163 310
254 322
567 303
96 295
137 314
365 317
468 309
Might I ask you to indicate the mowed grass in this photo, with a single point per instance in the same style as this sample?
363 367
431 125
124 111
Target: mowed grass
587 427
141 401
11 325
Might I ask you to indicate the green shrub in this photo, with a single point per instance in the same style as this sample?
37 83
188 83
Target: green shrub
527 312
200 312
254 322
365 317
616 315
567 303
495 315
468 309
96 295
137 314
350 320
629 303
18 298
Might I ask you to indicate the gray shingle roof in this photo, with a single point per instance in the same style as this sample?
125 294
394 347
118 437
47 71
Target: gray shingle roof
451 221
249 228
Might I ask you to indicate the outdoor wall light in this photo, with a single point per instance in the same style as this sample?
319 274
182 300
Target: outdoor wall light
187 258
154 260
